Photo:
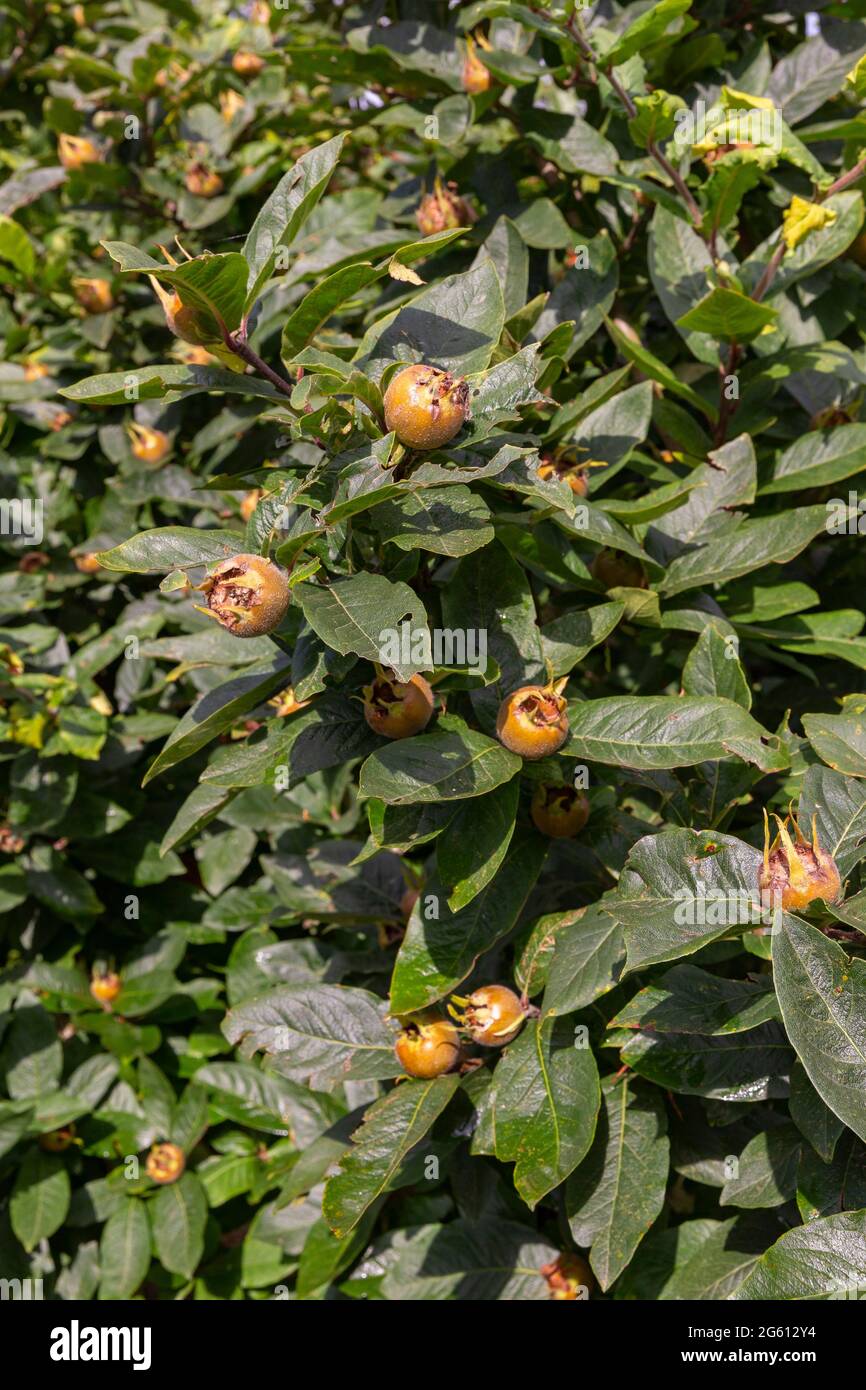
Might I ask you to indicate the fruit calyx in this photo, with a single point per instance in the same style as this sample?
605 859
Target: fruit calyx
397 709
559 810
443 210
428 1046
246 594
567 1277
148 445
533 721
796 871
491 1015
165 1162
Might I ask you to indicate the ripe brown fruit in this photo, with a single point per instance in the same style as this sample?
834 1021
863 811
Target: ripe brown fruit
796 872
250 501
165 1163
428 1047
57 1140
247 64
533 722
398 709
559 811
74 151
247 594
567 1276
149 445
426 407
442 210
492 1015
94 296
203 182
87 563
105 988
615 570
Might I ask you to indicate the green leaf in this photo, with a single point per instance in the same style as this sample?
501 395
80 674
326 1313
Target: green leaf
216 711
441 947
821 992
568 639
818 458
437 767
178 1216
169 548
545 1103
680 889
124 1250
491 1259
446 521
840 740
154 383
391 1130
615 1195
588 956
728 314
474 843
824 1259
647 29
665 731
748 1066
362 613
317 1030
815 1121
280 219
766 1170
690 1000
40 1197
713 668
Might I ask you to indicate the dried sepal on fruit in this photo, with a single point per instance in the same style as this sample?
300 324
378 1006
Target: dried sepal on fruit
491 1016
148 445
105 987
795 872
74 151
533 721
426 407
476 77
247 594
428 1046
397 709
559 810
165 1162
443 210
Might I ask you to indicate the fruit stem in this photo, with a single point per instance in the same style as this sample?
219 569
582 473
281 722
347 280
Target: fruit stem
243 350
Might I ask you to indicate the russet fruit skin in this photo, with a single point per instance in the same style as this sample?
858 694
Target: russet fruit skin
94 296
247 64
796 872
533 722
492 1015
247 594
566 1276
74 151
203 182
426 407
149 445
57 1140
165 1163
105 988
442 210
396 709
559 811
615 570
428 1047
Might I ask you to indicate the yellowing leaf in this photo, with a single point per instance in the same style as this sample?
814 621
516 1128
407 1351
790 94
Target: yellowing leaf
803 217
404 272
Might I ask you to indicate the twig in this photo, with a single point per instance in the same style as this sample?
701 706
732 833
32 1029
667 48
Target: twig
243 350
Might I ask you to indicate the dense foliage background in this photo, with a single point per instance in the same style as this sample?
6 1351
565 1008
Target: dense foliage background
627 288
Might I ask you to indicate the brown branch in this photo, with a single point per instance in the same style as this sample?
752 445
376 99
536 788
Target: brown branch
243 350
